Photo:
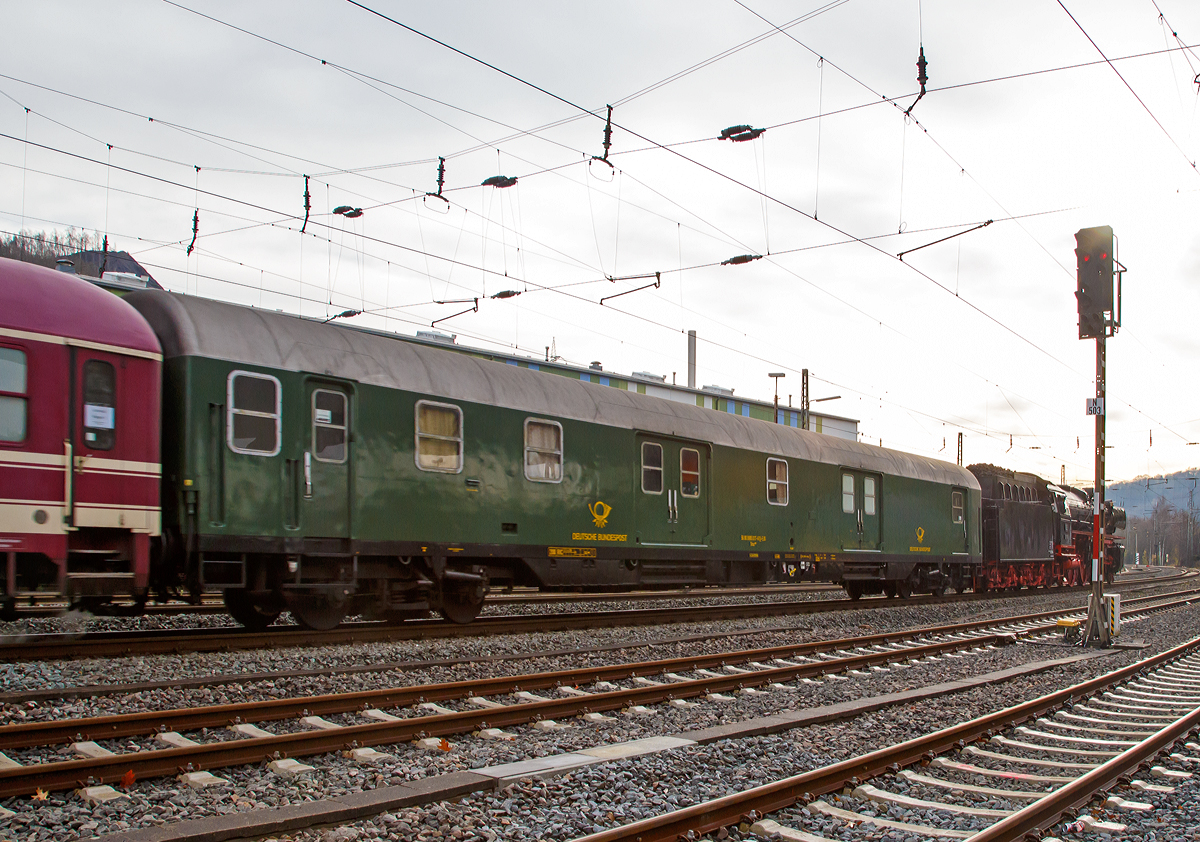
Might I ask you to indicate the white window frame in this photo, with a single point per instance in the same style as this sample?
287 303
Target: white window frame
784 482
853 493
662 469
231 411
958 510
871 501
559 453
698 472
418 435
344 427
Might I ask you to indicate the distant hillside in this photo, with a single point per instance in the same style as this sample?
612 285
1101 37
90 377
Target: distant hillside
1138 496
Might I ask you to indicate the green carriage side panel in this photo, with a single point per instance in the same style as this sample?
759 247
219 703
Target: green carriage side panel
489 500
490 504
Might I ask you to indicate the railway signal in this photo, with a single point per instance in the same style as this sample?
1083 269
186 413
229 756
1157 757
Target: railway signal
1094 279
1099 317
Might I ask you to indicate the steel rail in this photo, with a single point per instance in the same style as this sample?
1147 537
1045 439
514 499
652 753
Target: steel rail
47 647
95 690
691 822
53 606
212 604
67 774
1045 812
25 780
24 735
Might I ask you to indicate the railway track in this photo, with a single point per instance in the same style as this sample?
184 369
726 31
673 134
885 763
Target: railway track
1084 741
421 712
96 690
48 647
212 603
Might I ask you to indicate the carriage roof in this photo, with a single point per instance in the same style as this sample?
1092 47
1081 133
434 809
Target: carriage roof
189 326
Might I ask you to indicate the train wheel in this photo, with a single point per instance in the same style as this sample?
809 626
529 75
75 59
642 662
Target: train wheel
889 589
903 589
8 609
246 611
317 612
461 604
854 590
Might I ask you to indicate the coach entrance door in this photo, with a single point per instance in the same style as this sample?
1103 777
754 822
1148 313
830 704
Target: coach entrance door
860 511
326 462
673 494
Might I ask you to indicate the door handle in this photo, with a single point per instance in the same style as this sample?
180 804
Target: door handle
860 520
307 475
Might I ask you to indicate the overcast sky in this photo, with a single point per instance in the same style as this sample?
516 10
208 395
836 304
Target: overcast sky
1023 124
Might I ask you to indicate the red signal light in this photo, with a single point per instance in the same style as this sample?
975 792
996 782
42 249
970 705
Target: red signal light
1086 258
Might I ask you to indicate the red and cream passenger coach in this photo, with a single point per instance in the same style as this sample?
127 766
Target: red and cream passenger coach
79 439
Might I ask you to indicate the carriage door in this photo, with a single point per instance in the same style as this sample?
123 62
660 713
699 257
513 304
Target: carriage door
673 497
325 472
958 515
97 491
860 510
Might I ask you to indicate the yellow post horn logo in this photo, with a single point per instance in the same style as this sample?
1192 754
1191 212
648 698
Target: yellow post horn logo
920 535
600 512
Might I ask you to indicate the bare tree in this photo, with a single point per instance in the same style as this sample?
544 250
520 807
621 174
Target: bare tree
44 249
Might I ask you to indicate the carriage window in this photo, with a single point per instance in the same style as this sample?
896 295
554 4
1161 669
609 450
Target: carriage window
543 451
329 426
99 405
689 472
439 437
848 493
956 506
652 468
868 495
13 408
254 413
777 482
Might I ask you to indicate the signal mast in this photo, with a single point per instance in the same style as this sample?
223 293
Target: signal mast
1099 318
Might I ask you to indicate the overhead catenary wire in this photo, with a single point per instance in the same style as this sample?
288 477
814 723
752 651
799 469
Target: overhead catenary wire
1007 328
857 239
949 87
1125 82
381 241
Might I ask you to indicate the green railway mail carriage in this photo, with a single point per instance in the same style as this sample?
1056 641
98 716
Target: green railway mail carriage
331 470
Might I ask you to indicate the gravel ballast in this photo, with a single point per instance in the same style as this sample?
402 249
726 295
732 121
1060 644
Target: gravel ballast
592 797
